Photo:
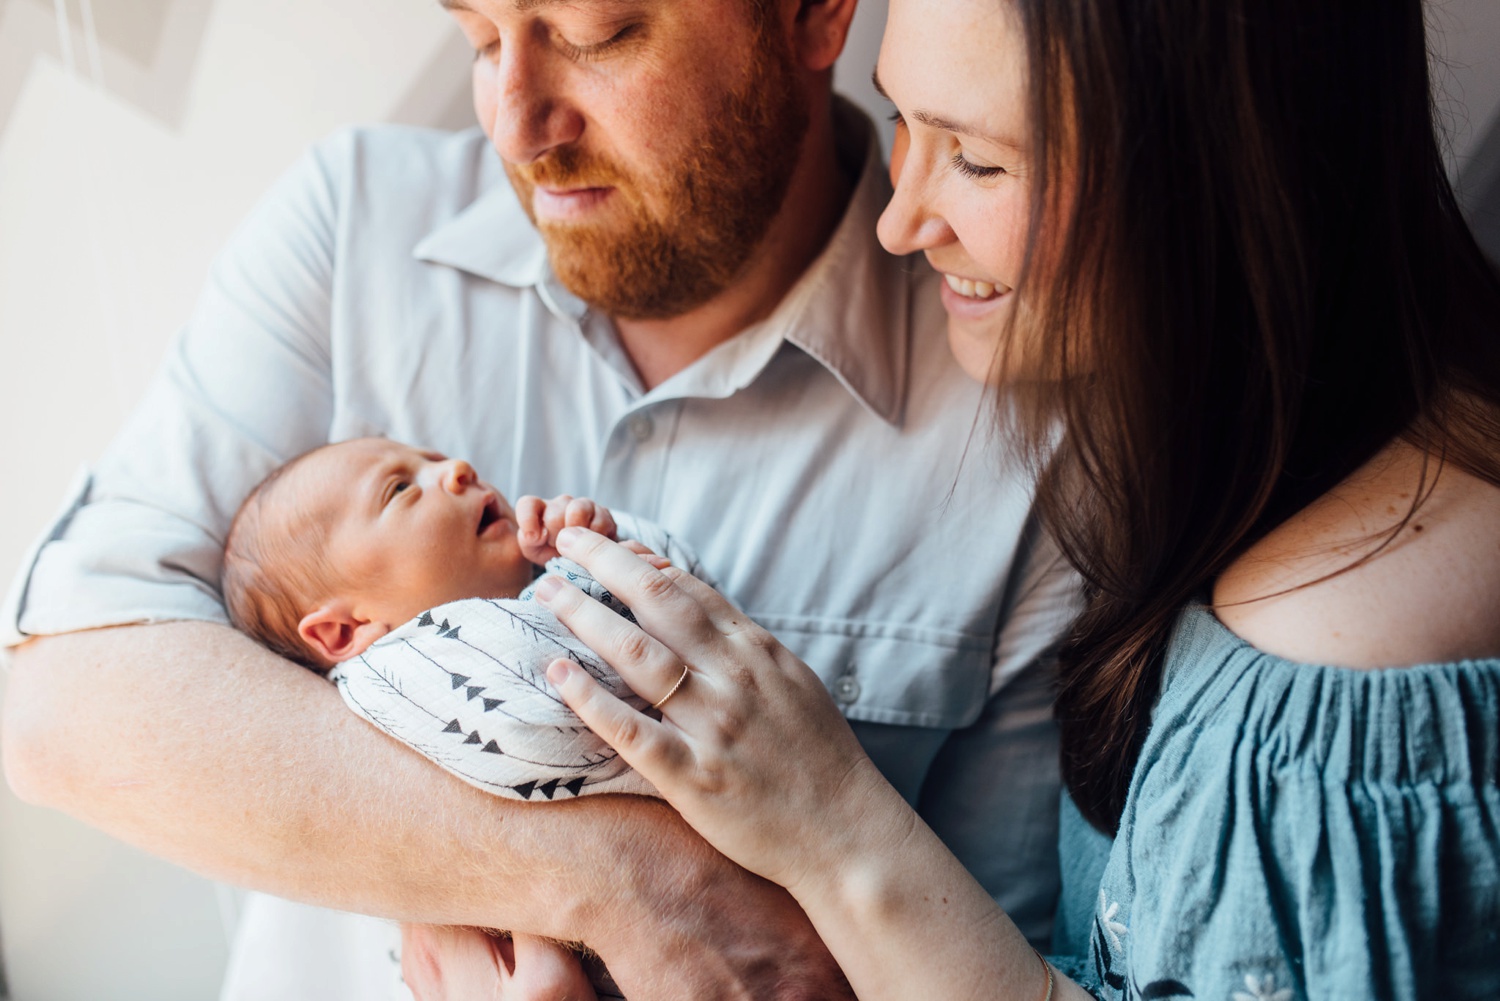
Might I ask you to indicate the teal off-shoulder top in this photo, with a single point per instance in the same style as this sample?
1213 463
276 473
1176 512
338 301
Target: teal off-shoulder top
1295 831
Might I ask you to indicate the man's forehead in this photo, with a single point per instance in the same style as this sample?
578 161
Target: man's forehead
527 6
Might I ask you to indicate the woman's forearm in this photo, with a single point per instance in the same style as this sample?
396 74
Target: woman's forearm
905 919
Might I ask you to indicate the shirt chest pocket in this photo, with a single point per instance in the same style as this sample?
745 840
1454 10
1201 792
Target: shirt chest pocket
892 673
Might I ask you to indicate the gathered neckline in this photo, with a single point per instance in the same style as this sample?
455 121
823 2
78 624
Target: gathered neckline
1202 616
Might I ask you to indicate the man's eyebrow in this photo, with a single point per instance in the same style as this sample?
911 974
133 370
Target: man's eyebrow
947 124
520 6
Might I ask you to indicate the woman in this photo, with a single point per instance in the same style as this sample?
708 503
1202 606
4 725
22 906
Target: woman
1212 243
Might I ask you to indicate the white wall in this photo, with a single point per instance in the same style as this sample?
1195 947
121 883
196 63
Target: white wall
112 202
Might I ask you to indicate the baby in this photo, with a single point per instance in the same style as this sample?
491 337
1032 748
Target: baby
409 577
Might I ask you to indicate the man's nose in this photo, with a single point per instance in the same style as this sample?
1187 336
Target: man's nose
532 113
458 476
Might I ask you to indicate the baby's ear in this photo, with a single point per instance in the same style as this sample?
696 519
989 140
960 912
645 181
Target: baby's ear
335 633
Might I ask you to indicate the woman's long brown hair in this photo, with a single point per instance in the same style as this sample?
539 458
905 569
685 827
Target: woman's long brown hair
1263 279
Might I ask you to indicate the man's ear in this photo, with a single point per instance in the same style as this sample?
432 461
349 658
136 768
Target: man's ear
336 633
821 28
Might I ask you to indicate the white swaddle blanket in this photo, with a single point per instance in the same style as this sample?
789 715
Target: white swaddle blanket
465 685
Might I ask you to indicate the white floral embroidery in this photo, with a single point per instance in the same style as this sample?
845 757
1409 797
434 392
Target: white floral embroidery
1114 929
1263 989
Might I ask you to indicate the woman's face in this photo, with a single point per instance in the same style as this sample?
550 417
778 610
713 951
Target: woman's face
956 72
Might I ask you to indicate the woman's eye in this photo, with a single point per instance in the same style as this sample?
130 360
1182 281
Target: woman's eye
971 169
897 119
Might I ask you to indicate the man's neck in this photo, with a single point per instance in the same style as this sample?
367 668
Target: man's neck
816 198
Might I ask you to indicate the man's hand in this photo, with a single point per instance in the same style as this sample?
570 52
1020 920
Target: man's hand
309 802
450 963
538 521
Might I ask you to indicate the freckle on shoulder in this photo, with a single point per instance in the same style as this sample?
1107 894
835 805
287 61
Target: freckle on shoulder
1427 596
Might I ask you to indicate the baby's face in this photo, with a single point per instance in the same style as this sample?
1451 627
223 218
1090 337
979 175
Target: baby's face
408 530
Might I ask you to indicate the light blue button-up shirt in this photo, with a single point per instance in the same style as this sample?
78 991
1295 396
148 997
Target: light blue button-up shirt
832 464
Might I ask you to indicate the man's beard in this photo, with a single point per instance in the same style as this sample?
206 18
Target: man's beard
713 207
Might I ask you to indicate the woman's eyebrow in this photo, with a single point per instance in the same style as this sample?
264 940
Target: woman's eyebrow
946 124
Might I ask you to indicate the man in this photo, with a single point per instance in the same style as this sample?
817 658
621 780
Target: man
700 329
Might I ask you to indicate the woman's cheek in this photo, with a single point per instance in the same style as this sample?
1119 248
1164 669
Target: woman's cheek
899 145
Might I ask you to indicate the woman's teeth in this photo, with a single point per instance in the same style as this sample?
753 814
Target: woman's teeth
972 289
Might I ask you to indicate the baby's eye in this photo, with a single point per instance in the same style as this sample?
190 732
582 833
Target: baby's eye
400 486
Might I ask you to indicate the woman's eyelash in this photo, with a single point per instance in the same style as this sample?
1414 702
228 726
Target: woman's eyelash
971 169
896 118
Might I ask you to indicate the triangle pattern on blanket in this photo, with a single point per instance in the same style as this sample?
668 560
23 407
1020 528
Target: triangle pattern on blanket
453 727
459 680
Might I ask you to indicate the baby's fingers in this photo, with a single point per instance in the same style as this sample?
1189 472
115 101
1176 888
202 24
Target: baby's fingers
649 746
531 529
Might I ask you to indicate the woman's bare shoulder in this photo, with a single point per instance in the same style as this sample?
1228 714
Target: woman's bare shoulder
1431 596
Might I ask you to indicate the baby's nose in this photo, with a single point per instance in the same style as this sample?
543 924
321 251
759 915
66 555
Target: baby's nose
459 476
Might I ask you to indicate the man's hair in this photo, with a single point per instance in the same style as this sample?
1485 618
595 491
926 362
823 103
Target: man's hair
274 570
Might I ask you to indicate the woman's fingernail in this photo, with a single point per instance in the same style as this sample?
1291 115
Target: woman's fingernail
568 536
548 588
558 672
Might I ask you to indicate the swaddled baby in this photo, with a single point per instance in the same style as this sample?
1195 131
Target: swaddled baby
410 578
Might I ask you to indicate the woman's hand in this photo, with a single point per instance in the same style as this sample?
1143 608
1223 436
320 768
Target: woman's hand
750 748
752 752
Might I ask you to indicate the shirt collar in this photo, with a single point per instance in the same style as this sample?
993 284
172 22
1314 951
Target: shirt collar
850 310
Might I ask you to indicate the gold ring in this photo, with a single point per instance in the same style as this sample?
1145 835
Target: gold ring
661 701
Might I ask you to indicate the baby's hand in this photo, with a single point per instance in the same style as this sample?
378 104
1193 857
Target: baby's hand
538 521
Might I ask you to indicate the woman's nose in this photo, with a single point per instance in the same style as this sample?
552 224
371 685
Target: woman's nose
910 223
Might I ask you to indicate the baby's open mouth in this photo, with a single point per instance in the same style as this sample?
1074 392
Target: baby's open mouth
489 515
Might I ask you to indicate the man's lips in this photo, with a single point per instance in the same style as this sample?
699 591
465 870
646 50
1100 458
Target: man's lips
567 203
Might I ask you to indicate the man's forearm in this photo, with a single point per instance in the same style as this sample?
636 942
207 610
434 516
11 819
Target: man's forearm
195 744
192 742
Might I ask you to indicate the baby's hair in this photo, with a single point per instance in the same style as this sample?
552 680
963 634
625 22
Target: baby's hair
274 572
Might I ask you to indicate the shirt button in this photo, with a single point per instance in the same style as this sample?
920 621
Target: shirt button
846 690
641 427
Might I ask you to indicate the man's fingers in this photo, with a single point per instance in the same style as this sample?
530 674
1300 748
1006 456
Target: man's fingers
645 744
449 963
543 970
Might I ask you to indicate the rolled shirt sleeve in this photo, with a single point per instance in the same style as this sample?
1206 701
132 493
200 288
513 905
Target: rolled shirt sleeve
140 537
